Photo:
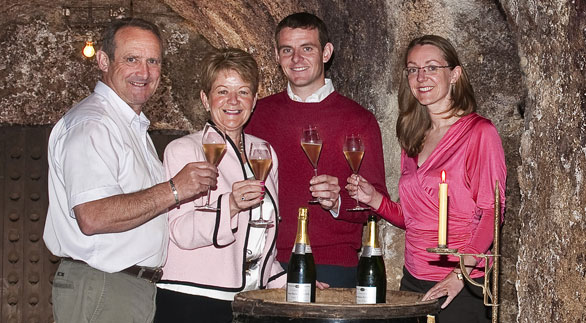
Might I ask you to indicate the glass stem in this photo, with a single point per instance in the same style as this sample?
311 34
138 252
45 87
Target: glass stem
357 202
208 203
261 218
315 199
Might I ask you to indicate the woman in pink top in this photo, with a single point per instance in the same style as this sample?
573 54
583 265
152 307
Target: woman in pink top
215 254
438 129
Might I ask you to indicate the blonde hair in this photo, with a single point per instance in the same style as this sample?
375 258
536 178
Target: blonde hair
229 59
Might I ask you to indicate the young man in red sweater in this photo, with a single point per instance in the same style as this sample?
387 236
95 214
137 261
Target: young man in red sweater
302 49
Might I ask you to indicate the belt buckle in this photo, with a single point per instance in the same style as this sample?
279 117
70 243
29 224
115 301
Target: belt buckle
140 272
157 274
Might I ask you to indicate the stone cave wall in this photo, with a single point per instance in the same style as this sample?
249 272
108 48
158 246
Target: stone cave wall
43 72
551 283
526 62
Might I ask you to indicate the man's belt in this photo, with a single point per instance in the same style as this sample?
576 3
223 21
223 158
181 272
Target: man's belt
151 274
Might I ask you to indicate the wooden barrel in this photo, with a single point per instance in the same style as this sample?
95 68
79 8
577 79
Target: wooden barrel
332 305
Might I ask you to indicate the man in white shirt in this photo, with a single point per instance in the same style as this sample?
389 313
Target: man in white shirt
107 196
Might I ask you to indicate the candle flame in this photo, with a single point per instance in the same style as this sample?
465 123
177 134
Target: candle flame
443 176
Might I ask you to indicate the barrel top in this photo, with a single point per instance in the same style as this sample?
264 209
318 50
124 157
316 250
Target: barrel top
332 303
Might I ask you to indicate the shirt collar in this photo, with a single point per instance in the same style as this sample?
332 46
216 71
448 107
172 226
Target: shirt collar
121 108
317 96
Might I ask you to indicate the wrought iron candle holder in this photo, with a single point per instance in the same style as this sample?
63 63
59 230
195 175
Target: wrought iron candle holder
487 290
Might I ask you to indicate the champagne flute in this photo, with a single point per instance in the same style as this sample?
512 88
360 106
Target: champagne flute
354 151
261 161
214 147
311 144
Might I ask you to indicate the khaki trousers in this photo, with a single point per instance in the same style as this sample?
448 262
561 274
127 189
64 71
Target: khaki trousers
83 294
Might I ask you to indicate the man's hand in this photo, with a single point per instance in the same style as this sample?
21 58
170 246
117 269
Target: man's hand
326 189
195 178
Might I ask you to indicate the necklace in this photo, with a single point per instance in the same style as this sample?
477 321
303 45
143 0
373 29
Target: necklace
241 146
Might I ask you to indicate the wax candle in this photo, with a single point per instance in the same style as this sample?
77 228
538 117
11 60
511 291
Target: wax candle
443 212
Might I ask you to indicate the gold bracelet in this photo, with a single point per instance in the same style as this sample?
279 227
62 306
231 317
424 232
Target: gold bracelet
175 194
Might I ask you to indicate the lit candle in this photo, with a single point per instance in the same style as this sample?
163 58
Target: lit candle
443 212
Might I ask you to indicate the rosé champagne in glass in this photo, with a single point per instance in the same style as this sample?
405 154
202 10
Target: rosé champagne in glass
214 147
354 152
311 144
260 160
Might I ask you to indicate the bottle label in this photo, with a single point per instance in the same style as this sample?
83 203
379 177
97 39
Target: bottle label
365 295
368 251
301 249
298 292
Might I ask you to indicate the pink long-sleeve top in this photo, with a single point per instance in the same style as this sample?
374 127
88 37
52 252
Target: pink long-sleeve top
208 249
472 155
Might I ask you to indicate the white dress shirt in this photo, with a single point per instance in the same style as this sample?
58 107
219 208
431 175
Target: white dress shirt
316 97
101 148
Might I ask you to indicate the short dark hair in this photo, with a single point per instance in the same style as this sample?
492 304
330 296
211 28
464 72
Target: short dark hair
304 20
108 44
229 59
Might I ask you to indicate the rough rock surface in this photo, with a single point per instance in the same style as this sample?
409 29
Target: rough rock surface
551 282
43 72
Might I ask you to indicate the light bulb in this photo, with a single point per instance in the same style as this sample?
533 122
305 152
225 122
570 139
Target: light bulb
88 50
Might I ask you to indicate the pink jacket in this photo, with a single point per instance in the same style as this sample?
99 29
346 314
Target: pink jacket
208 249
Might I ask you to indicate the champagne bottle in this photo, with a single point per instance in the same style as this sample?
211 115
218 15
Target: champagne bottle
371 278
301 269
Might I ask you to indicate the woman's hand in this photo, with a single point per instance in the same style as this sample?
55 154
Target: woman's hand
450 286
318 284
359 187
245 194
321 285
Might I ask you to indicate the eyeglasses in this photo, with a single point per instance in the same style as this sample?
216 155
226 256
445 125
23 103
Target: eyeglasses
428 70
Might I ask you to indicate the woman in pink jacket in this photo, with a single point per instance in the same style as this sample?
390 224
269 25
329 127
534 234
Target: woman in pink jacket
214 255
438 129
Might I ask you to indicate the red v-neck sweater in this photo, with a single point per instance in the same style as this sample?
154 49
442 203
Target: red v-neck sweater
279 120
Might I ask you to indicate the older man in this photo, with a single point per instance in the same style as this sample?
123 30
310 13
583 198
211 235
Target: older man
107 195
302 49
